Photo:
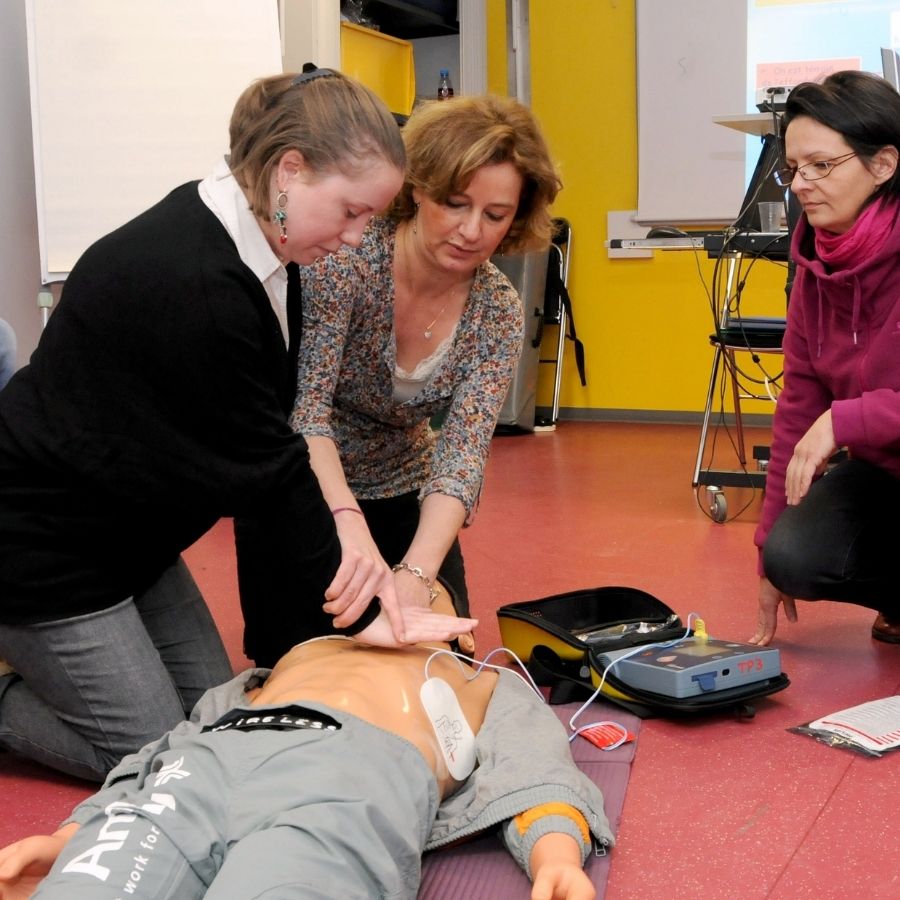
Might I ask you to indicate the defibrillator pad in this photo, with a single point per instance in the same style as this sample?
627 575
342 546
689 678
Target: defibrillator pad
455 736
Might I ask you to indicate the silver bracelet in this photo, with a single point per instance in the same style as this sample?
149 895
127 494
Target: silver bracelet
415 570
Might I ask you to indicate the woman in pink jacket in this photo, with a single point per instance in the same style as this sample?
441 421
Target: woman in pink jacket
826 532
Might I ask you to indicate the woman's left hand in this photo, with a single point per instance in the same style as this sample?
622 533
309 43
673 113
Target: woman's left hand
411 591
811 455
419 626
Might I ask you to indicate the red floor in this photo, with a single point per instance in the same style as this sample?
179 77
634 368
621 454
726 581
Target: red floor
715 808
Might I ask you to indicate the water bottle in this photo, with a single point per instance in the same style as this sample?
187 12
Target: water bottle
445 88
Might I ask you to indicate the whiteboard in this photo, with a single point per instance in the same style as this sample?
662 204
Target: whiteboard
691 65
130 99
699 59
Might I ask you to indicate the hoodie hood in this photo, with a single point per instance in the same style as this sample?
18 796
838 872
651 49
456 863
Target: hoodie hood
840 293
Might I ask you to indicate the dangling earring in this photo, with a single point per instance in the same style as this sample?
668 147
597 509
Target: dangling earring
280 215
415 220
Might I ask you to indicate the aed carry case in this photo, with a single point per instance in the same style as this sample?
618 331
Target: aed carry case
569 641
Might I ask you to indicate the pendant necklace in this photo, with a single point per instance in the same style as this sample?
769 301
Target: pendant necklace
427 332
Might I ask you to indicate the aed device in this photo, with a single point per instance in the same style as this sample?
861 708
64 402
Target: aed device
693 666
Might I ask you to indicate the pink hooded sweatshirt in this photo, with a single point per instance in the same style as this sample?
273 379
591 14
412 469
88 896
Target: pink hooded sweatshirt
841 351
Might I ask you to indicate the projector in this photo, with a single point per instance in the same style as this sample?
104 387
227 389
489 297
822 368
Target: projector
771 99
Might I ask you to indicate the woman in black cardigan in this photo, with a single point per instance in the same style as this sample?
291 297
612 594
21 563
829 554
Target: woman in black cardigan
155 403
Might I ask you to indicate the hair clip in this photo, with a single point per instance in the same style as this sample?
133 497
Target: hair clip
312 74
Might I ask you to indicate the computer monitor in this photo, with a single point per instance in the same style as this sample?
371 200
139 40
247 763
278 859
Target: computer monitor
890 66
762 186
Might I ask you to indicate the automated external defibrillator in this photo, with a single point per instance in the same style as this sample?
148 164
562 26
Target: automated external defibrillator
694 666
633 649
645 659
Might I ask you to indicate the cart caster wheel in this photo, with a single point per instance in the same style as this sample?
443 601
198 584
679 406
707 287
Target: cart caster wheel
718 505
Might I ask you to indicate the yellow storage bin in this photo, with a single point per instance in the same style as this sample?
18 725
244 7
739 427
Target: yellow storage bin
382 63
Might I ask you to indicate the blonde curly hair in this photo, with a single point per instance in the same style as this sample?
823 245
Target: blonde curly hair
447 142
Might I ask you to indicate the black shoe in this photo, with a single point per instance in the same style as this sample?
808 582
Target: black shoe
885 630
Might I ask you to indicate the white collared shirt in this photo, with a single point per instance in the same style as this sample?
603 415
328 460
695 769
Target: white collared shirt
223 195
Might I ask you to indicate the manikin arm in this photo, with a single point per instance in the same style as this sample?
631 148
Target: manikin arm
556 870
554 838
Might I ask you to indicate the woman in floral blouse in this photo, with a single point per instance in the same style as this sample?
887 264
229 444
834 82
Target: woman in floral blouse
416 323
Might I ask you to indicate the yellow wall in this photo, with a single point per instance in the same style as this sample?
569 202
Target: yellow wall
496 43
644 322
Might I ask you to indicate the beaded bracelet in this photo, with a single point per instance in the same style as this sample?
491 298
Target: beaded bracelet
334 512
415 570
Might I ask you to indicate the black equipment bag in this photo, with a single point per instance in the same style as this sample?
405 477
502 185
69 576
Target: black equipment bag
557 638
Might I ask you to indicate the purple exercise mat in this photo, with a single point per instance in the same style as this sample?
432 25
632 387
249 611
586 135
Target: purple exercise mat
481 869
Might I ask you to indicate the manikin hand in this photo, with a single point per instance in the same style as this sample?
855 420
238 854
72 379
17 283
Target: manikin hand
556 870
25 863
769 600
810 458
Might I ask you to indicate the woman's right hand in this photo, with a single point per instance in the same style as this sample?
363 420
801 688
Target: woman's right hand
810 458
767 622
24 864
362 575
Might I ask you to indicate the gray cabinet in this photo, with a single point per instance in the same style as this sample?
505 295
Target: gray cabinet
528 274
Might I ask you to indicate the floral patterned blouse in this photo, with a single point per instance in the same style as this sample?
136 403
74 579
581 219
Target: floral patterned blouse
346 367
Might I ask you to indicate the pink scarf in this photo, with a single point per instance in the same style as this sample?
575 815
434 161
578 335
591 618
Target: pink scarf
861 242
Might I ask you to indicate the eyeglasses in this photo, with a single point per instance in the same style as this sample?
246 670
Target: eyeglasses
811 171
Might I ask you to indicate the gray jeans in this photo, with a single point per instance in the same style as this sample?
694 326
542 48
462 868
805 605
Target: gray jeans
91 689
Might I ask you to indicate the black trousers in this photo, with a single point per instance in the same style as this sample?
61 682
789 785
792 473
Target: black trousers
839 542
286 558
393 522
282 586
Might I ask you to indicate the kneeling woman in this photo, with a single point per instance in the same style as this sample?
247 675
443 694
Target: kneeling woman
417 323
826 535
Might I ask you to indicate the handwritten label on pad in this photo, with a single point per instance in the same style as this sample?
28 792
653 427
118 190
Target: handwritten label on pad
455 737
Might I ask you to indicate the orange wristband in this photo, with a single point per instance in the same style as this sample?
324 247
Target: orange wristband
526 819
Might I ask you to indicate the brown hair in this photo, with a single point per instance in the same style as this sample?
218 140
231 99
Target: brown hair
861 107
334 122
447 142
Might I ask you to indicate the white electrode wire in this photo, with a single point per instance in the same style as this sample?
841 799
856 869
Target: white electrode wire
640 648
482 664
